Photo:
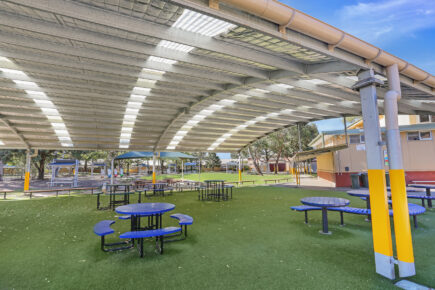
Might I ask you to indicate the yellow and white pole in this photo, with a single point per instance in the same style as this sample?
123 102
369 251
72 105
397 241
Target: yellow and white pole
402 227
27 171
112 167
154 167
240 168
381 231
182 169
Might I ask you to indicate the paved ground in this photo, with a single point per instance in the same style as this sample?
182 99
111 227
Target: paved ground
314 183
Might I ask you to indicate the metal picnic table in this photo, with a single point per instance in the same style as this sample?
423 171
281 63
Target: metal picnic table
428 187
324 203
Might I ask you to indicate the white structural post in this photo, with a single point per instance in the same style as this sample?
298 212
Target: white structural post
381 230
199 168
154 167
402 227
111 167
240 168
182 169
76 173
27 172
345 129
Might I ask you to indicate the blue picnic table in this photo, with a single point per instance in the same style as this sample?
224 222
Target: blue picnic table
325 203
428 187
152 210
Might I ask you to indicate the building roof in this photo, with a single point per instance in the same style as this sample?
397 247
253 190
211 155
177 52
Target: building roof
177 75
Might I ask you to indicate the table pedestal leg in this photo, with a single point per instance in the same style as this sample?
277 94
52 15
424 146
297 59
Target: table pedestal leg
369 217
429 201
325 221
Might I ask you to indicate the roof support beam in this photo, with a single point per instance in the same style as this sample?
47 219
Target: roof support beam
117 21
18 134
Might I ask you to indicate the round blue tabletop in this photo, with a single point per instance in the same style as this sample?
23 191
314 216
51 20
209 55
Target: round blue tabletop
431 186
366 193
145 208
325 201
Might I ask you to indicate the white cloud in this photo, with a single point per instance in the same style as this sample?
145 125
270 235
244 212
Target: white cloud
386 20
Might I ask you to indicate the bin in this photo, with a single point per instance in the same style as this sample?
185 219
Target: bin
365 180
387 178
355 180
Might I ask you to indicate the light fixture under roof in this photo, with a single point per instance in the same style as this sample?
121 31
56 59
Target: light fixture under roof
199 23
162 60
1 143
175 46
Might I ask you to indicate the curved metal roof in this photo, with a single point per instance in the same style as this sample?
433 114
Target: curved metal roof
166 75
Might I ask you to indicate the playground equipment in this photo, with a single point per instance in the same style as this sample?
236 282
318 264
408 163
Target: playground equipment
231 166
73 169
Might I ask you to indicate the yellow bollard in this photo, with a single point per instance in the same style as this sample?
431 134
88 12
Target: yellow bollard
27 181
402 227
381 230
154 177
240 176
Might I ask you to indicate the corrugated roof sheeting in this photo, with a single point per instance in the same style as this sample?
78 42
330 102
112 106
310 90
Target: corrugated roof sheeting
224 90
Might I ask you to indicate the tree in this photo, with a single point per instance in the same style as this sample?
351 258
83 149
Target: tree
277 144
43 157
212 160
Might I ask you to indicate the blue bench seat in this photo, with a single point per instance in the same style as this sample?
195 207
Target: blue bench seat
183 220
158 233
305 208
103 229
414 211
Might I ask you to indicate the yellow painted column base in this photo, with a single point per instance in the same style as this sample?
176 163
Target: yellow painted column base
27 181
154 177
402 227
240 176
381 231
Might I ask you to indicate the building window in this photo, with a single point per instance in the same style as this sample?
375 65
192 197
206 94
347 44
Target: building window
356 139
419 135
427 118
425 135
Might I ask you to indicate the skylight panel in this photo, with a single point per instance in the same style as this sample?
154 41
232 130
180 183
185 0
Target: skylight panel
42 101
317 82
175 46
141 91
260 91
202 24
162 60
285 86
153 71
198 118
12 71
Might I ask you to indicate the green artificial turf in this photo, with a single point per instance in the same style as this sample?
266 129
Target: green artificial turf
228 177
251 242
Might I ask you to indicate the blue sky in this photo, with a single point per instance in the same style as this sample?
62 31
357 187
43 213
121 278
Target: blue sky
405 28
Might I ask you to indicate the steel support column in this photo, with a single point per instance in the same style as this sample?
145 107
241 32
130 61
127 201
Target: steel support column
112 170
240 168
27 171
402 227
381 230
154 167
